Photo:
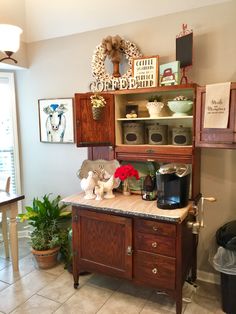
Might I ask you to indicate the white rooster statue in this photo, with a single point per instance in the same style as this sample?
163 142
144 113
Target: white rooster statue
88 185
107 187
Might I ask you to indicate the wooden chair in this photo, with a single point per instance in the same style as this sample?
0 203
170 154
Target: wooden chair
5 187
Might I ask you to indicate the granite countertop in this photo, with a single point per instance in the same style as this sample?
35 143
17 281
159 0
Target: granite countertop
129 205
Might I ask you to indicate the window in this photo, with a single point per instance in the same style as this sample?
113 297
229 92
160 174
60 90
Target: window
9 153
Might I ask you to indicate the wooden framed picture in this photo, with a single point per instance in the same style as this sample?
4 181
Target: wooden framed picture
56 120
145 71
170 73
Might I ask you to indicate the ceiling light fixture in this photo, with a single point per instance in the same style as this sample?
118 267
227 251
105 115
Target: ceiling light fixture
9 40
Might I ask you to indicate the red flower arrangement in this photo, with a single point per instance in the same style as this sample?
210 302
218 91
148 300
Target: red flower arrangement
126 171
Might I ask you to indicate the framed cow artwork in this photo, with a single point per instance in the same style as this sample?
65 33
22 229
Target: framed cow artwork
56 120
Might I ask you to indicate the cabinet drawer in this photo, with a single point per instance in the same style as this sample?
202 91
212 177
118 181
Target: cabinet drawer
154 269
154 244
154 227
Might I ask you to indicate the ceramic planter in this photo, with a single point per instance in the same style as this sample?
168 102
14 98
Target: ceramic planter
46 259
154 108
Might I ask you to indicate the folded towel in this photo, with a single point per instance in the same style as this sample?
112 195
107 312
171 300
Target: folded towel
216 113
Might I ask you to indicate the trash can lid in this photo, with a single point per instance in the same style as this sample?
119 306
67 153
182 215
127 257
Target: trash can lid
226 235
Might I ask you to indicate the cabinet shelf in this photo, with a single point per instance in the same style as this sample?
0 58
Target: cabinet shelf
154 89
159 118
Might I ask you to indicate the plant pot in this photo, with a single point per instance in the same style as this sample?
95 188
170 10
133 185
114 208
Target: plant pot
154 108
46 259
97 113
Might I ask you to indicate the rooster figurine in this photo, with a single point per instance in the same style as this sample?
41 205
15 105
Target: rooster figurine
107 187
88 185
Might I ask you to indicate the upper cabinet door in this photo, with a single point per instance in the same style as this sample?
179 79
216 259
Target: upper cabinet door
215 137
90 132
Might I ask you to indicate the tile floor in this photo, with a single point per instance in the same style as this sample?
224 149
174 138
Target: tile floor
34 291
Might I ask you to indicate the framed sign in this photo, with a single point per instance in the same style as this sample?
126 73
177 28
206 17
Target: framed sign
56 122
170 73
145 71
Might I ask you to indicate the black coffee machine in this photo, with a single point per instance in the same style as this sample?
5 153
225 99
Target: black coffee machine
173 182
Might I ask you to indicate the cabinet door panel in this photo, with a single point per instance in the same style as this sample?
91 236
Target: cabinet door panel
104 240
216 137
92 132
155 270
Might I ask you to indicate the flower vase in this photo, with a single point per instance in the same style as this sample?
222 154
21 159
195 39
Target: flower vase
126 190
97 113
116 71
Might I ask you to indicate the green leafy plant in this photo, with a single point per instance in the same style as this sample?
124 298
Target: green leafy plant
154 98
47 218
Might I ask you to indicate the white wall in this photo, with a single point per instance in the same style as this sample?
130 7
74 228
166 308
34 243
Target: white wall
60 67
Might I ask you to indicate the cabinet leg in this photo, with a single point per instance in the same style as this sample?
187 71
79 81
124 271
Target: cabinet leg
179 305
76 280
76 285
76 276
194 259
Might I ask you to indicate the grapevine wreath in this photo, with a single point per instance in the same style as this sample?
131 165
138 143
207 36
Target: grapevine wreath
112 47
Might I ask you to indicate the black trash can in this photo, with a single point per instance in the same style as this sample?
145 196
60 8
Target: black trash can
225 262
228 293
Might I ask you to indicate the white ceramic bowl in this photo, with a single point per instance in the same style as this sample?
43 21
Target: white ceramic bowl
180 107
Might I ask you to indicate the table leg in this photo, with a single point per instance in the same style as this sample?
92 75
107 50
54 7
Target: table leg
4 231
13 236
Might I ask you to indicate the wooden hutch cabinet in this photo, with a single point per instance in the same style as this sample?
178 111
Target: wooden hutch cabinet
135 244
215 137
105 137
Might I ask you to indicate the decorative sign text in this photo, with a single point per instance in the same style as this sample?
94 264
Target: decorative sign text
145 70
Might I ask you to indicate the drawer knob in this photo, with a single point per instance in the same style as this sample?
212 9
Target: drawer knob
154 244
154 228
154 271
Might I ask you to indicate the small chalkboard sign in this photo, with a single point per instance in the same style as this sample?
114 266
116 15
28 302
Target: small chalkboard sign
184 50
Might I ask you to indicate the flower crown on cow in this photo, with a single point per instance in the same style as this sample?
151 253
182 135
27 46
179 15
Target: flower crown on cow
55 108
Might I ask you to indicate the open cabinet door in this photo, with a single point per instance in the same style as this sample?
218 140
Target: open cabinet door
90 132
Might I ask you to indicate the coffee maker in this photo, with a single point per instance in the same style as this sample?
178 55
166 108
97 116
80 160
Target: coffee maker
173 182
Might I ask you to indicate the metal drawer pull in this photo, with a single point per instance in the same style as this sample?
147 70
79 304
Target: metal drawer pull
154 244
154 271
154 228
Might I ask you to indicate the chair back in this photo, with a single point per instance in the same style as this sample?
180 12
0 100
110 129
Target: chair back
5 184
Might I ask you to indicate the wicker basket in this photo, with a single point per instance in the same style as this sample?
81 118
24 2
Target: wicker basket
97 112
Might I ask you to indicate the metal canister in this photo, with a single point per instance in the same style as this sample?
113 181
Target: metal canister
157 134
181 136
133 133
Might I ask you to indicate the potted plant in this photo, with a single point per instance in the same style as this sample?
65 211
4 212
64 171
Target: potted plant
98 103
154 105
46 216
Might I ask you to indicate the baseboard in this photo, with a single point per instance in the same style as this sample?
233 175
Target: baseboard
208 277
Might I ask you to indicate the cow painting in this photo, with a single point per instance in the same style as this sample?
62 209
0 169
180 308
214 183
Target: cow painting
55 122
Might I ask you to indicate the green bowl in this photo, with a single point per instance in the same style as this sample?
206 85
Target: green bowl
180 107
